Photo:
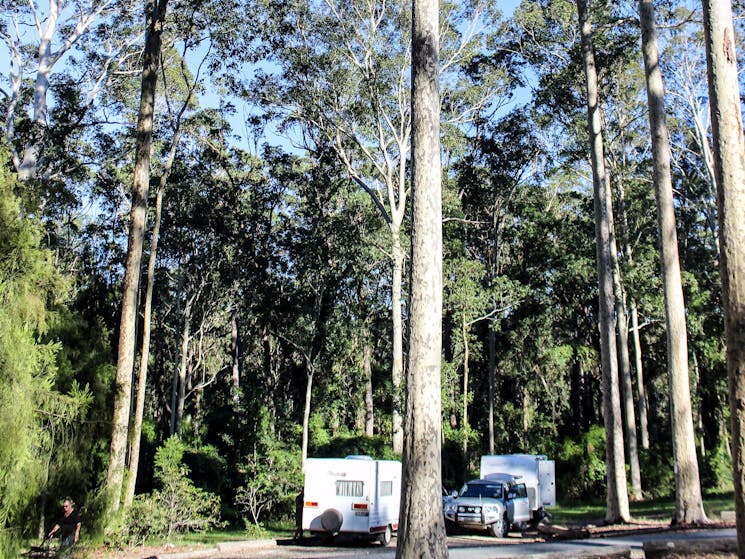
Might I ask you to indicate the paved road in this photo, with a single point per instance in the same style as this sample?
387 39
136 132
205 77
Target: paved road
460 547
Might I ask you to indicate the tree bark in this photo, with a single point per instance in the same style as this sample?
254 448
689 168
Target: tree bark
641 391
617 499
183 368
136 431
306 413
398 334
367 370
729 159
422 528
235 376
689 507
155 12
492 374
624 370
466 357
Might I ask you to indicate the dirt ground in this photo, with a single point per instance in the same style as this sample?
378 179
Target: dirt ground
547 533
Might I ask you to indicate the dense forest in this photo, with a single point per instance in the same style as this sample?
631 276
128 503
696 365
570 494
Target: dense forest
205 251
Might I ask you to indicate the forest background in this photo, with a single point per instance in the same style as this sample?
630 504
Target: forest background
272 310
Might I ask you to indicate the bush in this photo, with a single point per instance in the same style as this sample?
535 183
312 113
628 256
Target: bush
272 479
580 467
658 474
716 475
178 506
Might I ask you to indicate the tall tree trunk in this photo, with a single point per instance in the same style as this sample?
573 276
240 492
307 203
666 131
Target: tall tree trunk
422 527
28 165
367 370
617 499
689 507
641 391
155 12
729 159
466 356
183 368
136 431
306 413
398 333
492 369
634 317
235 376
624 371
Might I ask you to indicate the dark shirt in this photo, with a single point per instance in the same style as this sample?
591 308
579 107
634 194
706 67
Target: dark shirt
68 523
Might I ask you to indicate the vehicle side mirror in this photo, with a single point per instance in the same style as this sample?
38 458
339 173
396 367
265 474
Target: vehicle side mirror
511 495
454 494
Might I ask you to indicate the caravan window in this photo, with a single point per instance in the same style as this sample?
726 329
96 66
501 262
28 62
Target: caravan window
346 488
386 488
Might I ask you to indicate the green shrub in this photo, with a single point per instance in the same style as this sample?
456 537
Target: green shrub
716 471
272 479
658 474
176 507
580 466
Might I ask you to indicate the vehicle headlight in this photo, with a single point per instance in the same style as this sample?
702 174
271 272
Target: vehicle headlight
491 509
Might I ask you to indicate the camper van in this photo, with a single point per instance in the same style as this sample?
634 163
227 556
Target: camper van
355 495
535 471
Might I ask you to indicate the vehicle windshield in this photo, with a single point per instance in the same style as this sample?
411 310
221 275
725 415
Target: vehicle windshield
481 490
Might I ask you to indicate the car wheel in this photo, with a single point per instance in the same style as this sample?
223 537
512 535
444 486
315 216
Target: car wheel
500 528
385 538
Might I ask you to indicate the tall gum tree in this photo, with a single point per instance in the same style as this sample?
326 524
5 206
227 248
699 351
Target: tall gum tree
689 506
617 500
729 164
155 14
422 524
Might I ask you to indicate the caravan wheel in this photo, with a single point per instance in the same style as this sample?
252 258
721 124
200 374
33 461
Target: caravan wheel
385 538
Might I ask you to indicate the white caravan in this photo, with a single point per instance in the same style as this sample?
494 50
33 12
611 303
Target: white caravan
353 495
535 471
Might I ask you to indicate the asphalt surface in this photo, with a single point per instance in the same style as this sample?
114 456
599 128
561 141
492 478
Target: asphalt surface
460 547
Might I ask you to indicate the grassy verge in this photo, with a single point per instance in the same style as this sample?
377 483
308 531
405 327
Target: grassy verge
655 509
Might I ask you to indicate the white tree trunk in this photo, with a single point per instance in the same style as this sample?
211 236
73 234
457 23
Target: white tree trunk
617 499
369 404
422 527
306 415
466 357
155 15
689 507
641 391
729 159
398 336
624 371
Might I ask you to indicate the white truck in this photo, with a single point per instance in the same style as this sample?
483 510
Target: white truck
535 471
354 495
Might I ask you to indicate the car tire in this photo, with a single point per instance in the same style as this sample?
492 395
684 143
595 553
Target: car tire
500 528
385 537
